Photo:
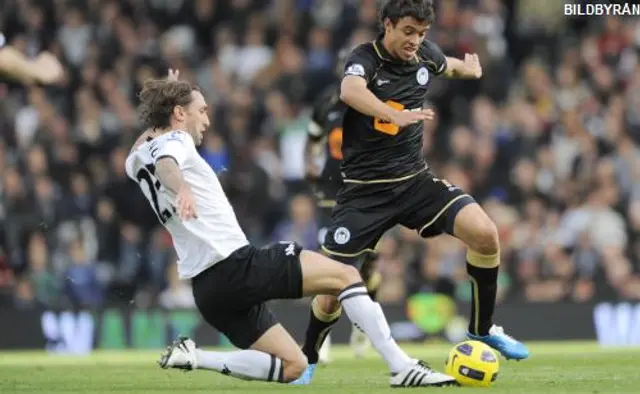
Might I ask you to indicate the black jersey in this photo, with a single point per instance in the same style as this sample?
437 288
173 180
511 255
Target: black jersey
326 123
372 148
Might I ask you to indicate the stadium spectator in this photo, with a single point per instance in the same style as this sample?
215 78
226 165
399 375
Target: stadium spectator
548 141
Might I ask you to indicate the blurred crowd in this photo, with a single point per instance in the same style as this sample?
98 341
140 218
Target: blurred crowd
548 141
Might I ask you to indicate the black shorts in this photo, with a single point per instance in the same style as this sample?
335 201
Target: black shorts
231 295
366 211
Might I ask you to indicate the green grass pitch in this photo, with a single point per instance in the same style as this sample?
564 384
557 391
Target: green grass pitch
567 367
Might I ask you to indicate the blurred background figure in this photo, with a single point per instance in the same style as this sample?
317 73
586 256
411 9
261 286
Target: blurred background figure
548 141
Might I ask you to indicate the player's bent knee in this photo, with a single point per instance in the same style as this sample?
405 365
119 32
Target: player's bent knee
328 307
474 227
478 231
294 368
349 276
486 240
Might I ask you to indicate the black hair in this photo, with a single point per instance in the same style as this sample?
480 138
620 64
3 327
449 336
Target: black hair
420 10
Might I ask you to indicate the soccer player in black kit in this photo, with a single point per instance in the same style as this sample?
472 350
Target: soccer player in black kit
323 153
386 178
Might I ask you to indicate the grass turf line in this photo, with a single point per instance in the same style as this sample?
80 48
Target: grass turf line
563 367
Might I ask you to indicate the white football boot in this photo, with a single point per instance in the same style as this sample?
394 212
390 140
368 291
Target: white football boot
180 354
420 374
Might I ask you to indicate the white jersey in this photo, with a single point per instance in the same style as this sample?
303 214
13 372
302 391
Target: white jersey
215 234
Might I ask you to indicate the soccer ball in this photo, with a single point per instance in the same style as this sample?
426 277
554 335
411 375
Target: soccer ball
472 364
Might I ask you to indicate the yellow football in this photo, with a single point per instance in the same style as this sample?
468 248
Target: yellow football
473 364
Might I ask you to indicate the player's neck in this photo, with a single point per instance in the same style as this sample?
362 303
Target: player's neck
165 130
386 46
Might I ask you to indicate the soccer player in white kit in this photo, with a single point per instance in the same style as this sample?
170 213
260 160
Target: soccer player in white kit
231 278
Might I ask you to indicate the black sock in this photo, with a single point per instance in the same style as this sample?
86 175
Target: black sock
484 284
319 327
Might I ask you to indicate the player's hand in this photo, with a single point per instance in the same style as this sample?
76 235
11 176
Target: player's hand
173 75
472 64
48 69
186 204
406 118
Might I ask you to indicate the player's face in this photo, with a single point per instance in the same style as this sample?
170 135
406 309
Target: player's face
197 117
405 37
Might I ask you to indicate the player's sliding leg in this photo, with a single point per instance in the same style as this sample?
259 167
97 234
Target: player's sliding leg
274 357
473 226
322 275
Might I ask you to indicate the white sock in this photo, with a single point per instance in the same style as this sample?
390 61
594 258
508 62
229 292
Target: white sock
242 364
368 315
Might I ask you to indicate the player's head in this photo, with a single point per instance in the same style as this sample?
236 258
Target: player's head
170 105
405 24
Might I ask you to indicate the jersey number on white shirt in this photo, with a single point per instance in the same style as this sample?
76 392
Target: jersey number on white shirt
151 189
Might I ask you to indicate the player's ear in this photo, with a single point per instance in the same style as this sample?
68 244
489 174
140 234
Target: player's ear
387 25
179 112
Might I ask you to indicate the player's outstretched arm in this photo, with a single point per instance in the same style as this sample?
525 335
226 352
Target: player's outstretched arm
354 93
469 68
44 69
170 176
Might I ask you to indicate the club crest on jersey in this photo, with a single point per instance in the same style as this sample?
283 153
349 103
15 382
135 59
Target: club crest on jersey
342 235
422 76
355 69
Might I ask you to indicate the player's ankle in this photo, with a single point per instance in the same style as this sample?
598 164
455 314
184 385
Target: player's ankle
312 355
293 369
481 331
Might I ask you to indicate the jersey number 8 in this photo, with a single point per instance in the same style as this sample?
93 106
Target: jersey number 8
387 127
150 190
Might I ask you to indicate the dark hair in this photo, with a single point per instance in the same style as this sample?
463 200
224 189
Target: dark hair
420 10
159 97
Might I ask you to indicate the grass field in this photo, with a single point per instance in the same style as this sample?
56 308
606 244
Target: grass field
575 367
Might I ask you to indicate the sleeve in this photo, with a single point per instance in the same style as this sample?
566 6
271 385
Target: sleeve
128 165
320 112
433 57
176 146
361 62
2 40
